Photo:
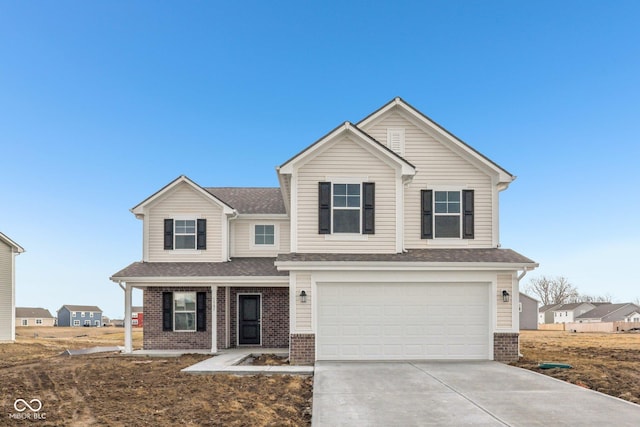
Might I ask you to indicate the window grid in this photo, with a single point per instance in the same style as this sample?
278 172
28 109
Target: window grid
185 234
264 235
447 214
184 311
346 208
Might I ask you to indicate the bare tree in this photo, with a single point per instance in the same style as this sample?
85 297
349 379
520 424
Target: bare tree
552 290
595 298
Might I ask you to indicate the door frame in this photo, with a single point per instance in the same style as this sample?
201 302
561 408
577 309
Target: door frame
238 295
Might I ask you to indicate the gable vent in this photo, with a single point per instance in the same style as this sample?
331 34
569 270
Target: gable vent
395 140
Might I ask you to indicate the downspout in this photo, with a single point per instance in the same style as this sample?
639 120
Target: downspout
524 273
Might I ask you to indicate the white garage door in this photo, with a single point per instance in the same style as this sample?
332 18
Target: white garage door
403 321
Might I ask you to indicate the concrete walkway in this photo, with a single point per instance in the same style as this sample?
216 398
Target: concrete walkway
227 362
456 394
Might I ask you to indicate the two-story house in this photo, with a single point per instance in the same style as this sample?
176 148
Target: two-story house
80 315
567 313
381 243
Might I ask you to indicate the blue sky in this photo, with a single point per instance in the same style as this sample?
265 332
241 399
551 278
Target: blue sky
102 103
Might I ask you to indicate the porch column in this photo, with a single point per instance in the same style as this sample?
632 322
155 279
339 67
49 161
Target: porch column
214 319
128 345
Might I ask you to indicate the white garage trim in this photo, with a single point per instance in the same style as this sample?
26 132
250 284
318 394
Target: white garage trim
404 321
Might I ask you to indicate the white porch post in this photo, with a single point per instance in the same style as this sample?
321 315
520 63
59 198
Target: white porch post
214 319
128 345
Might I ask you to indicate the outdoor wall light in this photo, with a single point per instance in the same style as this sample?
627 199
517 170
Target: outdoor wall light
303 296
505 295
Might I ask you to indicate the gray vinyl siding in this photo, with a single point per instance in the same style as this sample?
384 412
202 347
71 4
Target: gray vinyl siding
184 201
241 242
6 292
64 317
346 159
437 165
529 313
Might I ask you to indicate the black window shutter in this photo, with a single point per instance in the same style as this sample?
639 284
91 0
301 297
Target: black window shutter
368 207
324 208
467 214
426 203
167 311
168 234
202 234
201 311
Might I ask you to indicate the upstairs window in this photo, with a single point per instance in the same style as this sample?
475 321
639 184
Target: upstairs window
346 208
185 234
447 214
264 235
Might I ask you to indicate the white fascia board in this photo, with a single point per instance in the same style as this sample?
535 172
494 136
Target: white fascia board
139 208
238 281
284 189
371 145
403 266
16 248
432 127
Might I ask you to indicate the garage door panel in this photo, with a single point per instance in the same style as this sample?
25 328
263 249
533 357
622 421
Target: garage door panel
403 321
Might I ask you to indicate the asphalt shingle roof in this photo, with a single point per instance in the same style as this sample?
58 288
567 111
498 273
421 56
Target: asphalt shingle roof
491 255
251 200
235 267
33 312
606 309
82 308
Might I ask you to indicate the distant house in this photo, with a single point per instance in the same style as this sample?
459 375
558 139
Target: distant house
545 313
567 313
80 315
31 316
634 316
8 251
137 316
609 313
528 312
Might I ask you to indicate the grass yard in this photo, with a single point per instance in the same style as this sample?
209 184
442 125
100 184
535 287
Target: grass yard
110 389
608 363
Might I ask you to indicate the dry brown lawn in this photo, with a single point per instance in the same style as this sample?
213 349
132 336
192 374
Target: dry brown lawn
608 363
115 390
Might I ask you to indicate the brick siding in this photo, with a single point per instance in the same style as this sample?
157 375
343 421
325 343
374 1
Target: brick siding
303 349
154 338
275 315
275 319
505 346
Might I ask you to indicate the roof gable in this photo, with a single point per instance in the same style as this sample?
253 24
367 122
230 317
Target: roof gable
13 245
441 134
360 137
138 210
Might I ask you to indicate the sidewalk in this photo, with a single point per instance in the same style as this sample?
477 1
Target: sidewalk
227 362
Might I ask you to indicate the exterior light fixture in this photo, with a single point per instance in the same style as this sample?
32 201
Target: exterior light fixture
505 295
303 296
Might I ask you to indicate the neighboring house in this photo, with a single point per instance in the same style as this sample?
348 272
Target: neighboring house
545 313
137 317
567 313
381 243
634 316
29 316
8 251
528 312
608 313
80 315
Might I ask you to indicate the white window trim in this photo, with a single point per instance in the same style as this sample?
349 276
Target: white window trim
194 311
76 323
276 236
25 322
91 314
87 322
187 217
82 314
38 321
447 241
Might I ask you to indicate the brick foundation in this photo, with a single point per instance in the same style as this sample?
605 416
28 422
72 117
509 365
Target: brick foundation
505 346
302 350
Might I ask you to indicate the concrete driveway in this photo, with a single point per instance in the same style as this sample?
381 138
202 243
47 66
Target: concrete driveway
456 394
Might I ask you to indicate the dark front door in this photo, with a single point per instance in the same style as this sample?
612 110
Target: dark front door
249 319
